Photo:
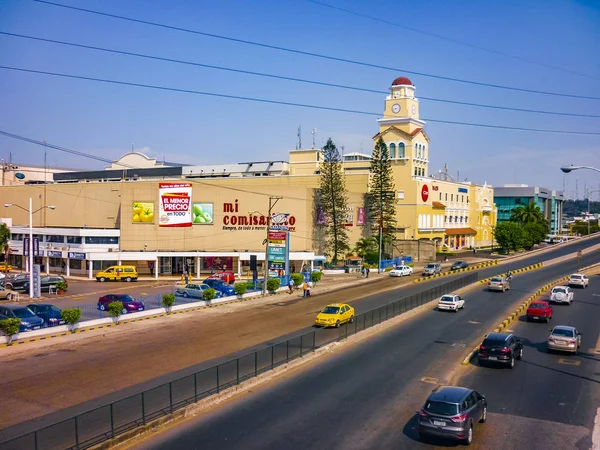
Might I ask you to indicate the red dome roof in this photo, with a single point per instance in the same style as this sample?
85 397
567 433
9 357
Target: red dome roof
401 80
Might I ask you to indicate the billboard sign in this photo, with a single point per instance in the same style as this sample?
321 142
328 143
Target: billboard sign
175 206
143 212
203 213
36 246
36 281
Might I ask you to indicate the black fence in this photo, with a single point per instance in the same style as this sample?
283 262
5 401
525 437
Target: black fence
101 424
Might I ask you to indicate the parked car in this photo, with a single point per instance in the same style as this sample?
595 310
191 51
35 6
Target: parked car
220 286
4 293
499 284
334 315
501 348
450 412
16 282
192 290
578 279
565 339
227 277
29 321
432 269
451 302
459 265
539 311
130 304
118 273
562 294
47 282
50 313
401 271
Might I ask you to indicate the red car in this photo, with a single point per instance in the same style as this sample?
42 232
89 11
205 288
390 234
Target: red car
130 304
539 311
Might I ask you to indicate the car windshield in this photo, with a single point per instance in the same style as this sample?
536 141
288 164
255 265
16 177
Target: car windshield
559 290
448 298
430 266
443 408
126 298
330 310
537 306
563 332
577 277
493 342
496 280
23 313
458 263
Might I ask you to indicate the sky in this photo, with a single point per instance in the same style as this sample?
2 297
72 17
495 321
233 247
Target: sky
546 45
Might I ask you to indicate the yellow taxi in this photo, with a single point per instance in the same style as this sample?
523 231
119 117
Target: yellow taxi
334 315
5 267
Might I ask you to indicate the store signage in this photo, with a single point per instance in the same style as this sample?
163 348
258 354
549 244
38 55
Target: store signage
53 254
76 255
425 193
278 251
202 213
254 221
36 281
435 188
20 176
463 190
361 217
36 246
143 212
277 239
175 207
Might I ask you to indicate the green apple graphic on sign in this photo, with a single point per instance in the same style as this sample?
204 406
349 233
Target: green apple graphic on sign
202 213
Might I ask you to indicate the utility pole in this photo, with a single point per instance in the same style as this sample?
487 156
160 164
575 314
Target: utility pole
272 202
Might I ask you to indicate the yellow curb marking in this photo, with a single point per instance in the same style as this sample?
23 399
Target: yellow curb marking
569 362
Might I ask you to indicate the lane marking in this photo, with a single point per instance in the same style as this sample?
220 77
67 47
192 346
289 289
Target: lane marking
473 322
569 362
596 432
459 344
510 331
430 380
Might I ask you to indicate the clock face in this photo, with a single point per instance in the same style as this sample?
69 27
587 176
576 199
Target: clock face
414 109
395 108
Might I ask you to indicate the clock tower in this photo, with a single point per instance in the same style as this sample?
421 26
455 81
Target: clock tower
401 102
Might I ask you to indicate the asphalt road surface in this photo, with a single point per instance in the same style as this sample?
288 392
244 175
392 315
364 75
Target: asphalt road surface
365 396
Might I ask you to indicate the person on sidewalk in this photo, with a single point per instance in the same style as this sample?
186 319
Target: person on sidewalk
367 270
304 288
291 286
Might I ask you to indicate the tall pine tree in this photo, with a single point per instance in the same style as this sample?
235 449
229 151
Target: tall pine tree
334 201
382 197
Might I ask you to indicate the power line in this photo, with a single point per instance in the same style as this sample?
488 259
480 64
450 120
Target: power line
455 41
300 105
281 77
316 55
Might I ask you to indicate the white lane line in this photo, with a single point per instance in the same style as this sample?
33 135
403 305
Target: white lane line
596 432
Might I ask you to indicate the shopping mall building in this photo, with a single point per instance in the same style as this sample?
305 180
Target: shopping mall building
127 213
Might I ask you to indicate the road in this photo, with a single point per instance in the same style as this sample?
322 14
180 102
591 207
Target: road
365 396
189 343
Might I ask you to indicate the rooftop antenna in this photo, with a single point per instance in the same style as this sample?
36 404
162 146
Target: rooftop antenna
299 145
314 132
343 148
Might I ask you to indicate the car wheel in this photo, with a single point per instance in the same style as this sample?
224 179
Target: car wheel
520 354
337 324
186 295
128 279
351 319
469 438
124 311
9 286
102 279
512 363
483 415
102 307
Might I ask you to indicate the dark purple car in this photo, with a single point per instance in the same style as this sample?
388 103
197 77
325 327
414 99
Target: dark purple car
130 304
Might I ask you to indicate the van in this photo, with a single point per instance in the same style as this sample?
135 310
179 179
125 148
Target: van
118 273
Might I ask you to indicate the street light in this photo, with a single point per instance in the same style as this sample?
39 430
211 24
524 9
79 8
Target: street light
567 169
266 266
31 213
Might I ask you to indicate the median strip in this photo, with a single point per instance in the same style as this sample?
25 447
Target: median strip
517 271
454 272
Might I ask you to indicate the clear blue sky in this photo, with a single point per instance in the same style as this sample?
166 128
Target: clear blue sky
106 119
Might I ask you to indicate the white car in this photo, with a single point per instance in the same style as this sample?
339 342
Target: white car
401 271
578 279
451 302
562 294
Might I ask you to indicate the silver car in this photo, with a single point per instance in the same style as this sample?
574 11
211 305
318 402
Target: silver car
432 269
499 284
565 339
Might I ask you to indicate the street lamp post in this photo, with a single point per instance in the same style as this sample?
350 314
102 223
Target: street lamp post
567 169
31 213
268 217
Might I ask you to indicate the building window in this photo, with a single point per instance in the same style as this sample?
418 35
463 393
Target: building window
440 196
446 196
462 198
400 195
401 150
55 239
73 239
16 237
415 171
393 151
451 197
104 240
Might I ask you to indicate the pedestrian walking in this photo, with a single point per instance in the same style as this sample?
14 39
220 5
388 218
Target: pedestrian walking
186 277
304 288
367 270
291 286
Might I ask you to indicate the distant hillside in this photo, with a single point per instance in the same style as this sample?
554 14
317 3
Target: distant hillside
576 207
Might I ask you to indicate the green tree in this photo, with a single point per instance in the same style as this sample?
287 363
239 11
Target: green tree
581 227
71 316
509 235
381 196
365 246
333 198
535 233
115 309
530 213
168 300
10 327
4 247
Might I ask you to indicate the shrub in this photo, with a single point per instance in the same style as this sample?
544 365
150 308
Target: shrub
240 288
298 279
168 300
10 327
273 284
71 316
316 276
61 286
115 309
209 294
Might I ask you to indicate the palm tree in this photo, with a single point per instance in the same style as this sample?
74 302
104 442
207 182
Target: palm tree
365 245
529 213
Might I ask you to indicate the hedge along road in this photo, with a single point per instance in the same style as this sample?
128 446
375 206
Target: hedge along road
365 395
117 363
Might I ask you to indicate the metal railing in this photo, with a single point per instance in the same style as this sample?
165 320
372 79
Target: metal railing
108 421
